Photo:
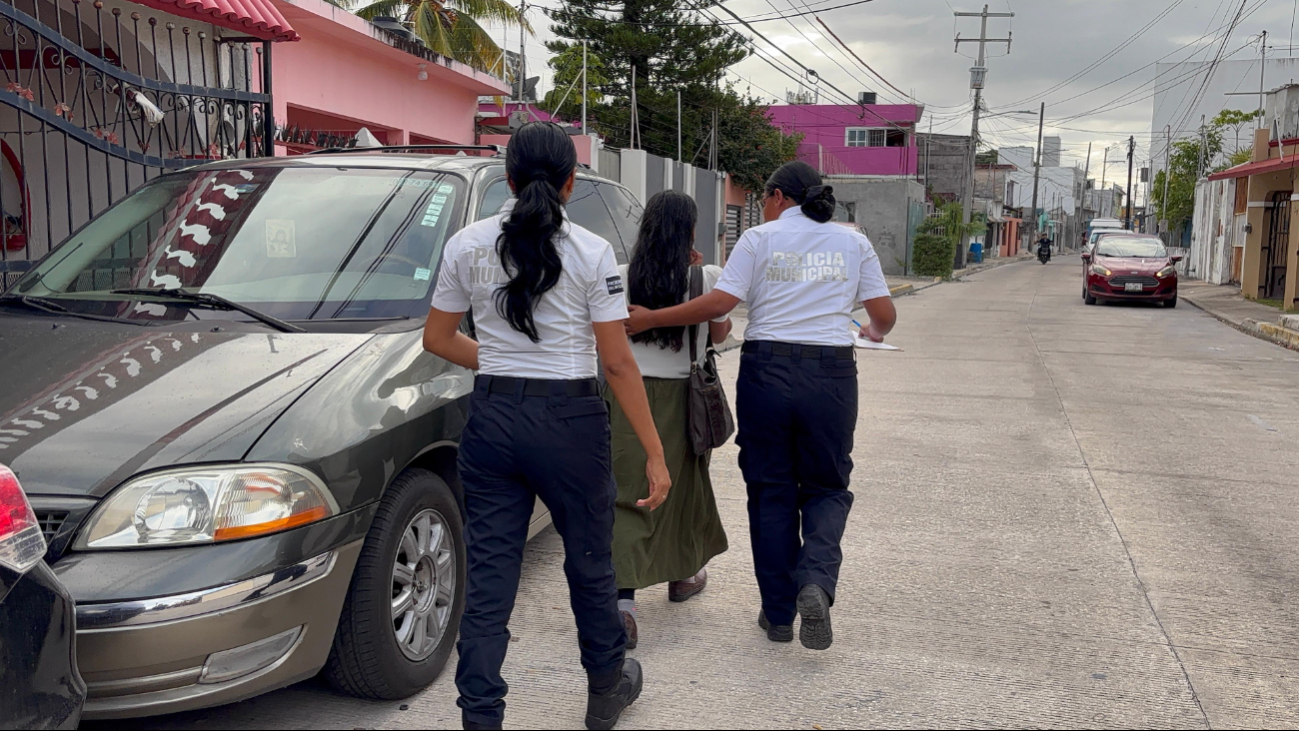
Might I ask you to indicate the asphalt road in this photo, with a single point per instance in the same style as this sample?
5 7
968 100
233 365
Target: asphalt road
1066 516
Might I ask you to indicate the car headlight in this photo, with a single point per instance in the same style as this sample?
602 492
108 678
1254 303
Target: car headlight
1167 271
207 505
1098 269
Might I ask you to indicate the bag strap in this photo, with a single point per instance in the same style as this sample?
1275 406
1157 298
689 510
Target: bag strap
696 290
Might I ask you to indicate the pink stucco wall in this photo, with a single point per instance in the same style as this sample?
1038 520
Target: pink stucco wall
342 75
824 128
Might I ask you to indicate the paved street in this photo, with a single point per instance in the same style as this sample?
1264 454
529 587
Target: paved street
1066 516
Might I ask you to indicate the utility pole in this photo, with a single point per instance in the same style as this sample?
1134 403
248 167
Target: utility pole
585 131
1082 196
523 56
978 75
678 125
1262 74
632 132
1168 173
1132 147
1037 169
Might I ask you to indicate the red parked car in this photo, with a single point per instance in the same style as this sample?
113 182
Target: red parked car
1132 267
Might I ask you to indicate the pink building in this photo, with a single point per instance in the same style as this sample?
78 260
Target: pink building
851 139
347 73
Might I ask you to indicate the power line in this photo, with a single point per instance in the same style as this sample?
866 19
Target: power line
760 18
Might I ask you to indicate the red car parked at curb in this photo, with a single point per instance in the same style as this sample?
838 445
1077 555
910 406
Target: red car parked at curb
1132 267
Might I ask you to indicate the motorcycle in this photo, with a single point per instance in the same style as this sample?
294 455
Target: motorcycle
1044 253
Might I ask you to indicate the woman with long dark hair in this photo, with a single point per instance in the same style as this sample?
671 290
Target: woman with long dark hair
796 398
546 297
672 544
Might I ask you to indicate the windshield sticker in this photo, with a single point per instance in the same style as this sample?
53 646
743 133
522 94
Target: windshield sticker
423 275
281 239
446 188
433 213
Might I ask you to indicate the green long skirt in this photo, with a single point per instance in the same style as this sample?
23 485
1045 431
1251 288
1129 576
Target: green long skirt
679 538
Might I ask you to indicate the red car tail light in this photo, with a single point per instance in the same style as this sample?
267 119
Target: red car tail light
21 542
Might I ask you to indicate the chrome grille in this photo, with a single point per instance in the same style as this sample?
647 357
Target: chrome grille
1126 279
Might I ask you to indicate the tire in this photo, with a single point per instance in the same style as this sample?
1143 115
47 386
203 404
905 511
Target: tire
1089 299
1170 304
367 660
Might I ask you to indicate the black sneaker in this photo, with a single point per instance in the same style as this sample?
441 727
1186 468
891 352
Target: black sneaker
603 711
471 726
776 632
814 607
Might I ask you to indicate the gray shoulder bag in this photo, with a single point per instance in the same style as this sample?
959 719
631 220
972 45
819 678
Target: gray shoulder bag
709 415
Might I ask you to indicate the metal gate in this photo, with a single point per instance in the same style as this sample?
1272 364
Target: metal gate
1276 246
95 100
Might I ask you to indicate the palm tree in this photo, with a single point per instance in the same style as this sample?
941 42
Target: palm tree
448 27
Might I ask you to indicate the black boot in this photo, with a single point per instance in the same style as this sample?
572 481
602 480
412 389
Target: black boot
814 607
776 632
604 710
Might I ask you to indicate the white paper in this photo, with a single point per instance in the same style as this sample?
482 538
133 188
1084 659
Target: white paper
867 344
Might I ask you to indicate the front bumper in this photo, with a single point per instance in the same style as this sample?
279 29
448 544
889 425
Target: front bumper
214 646
1153 289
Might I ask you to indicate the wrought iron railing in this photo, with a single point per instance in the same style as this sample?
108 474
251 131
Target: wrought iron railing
97 98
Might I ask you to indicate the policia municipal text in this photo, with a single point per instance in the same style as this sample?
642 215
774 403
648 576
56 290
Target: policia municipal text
796 399
538 428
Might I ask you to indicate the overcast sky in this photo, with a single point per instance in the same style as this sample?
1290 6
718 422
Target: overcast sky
910 43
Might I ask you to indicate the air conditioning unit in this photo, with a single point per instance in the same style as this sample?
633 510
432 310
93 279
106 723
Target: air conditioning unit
866 97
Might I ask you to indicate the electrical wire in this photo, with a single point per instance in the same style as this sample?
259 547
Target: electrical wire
760 18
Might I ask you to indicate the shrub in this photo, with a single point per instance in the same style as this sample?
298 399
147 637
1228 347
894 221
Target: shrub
933 255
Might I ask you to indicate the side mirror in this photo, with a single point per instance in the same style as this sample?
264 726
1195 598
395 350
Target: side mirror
1176 258
1086 256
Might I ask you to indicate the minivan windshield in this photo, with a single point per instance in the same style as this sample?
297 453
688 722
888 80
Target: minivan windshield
1138 248
295 243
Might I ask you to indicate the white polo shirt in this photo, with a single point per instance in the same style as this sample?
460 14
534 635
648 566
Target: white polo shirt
803 279
589 290
658 362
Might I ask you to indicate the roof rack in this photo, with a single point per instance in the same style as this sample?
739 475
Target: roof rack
409 148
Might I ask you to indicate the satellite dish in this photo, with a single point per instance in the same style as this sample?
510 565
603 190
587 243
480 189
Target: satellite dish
366 138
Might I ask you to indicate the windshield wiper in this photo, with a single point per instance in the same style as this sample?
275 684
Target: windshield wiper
44 304
213 301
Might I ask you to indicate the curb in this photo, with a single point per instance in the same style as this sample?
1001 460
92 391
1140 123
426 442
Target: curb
1274 334
903 289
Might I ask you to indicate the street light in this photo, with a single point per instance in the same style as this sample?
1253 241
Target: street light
1018 111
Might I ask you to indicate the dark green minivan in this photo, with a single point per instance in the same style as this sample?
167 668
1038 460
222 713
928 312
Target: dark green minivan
243 461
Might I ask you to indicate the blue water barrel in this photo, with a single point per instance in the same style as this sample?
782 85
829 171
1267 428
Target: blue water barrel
976 253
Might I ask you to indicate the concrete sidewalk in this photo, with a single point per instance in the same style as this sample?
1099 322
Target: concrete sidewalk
1226 304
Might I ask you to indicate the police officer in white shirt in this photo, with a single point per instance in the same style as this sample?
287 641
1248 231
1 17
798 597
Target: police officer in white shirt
796 398
546 296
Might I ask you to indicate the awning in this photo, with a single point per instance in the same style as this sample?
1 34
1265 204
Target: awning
258 18
1258 168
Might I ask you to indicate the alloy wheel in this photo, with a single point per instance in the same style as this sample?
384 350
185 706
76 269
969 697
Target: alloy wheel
423 585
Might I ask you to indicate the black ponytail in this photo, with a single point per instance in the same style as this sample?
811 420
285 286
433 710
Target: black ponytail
659 274
540 160
802 184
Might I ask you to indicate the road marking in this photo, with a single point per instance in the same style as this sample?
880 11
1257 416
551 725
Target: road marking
1261 424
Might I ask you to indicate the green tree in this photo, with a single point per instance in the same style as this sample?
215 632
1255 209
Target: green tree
565 100
934 249
670 49
1188 160
449 27
1236 121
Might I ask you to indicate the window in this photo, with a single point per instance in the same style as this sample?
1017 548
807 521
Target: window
875 137
299 243
586 209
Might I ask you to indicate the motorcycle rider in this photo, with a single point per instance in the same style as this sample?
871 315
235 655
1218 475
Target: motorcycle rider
1044 245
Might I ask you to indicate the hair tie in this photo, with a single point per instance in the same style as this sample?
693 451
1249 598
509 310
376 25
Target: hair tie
819 192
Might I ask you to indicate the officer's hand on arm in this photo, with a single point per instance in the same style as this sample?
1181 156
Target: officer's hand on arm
883 316
697 311
624 378
442 337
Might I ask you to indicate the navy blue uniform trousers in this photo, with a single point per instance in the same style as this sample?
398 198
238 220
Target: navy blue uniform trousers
795 417
517 448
